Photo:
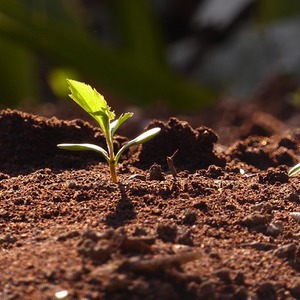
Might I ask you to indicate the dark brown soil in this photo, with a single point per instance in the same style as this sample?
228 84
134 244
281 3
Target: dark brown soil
226 226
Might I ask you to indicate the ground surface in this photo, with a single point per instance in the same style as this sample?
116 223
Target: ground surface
226 226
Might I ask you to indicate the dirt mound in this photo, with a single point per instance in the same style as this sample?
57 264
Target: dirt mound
28 142
195 147
265 152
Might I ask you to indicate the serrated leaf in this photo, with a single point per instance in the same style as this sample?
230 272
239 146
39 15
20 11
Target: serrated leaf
84 147
142 138
93 103
294 170
117 123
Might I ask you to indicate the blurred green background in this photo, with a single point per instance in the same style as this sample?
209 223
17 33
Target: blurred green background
184 54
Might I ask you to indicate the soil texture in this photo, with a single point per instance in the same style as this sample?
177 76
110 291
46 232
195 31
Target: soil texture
191 217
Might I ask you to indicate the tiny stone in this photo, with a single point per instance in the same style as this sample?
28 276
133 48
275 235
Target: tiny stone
224 275
184 237
230 206
260 246
263 207
240 294
99 252
155 173
62 294
74 275
274 229
296 236
266 291
8 238
214 255
68 235
50 275
239 278
95 235
286 251
293 197
254 220
296 216
179 248
207 290
189 217
167 233
116 282
139 231
295 291
201 205
214 171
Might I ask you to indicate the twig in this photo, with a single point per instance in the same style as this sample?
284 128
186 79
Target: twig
153 264
170 162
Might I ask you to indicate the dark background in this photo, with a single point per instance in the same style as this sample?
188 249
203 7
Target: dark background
179 56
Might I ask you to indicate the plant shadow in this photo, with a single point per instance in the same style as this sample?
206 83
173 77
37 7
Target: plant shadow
124 211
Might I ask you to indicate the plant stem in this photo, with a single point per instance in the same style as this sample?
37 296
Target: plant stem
112 161
113 173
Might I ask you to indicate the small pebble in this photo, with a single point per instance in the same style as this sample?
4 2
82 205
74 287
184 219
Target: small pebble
295 216
74 275
266 291
207 290
62 294
263 207
286 251
274 229
294 197
68 235
295 291
155 173
253 220
263 246
239 278
167 233
241 294
99 251
189 217
8 238
224 275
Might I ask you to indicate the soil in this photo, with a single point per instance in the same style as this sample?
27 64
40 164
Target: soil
198 213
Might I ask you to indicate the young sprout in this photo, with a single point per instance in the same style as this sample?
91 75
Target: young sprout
294 170
95 105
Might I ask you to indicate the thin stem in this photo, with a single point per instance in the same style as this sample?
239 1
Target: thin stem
112 161
113 173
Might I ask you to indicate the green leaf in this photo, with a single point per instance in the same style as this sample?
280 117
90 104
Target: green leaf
93 103
84 147
294 170
144 137
116 124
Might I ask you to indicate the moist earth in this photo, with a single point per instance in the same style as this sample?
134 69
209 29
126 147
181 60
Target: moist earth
192 216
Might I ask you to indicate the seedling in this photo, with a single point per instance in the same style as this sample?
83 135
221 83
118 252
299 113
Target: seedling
294 170
95 105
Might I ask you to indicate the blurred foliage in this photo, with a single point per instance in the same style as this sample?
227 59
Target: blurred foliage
52 31
18 73
296 99
132 64
270 10
57 80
